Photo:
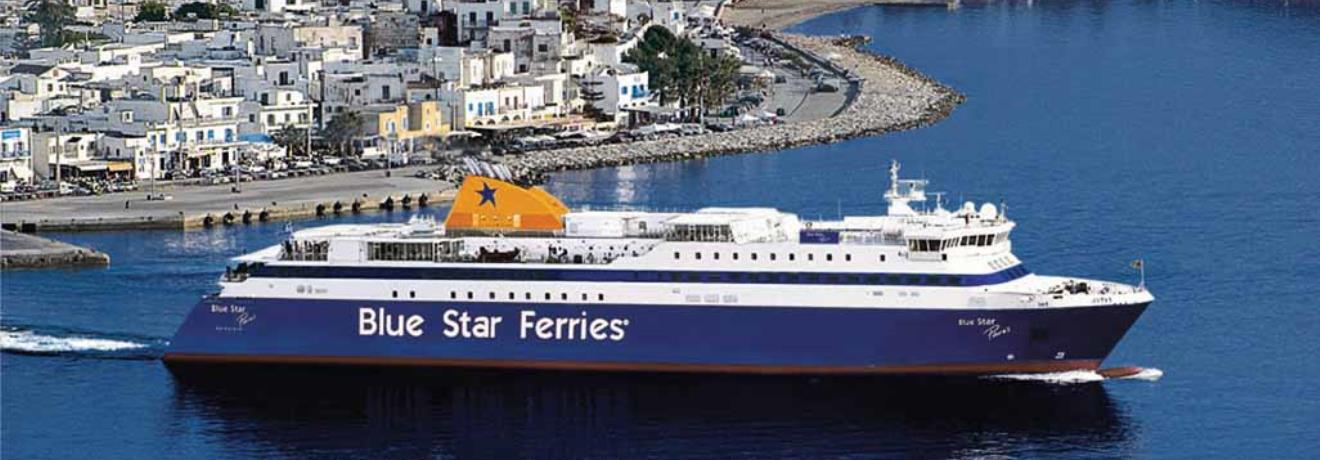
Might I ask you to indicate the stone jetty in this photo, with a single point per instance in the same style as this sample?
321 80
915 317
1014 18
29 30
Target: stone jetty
887 96
18 250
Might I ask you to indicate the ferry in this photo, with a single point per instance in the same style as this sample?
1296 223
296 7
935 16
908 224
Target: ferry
513 279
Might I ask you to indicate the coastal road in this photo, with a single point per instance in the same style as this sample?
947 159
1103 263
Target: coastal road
193 200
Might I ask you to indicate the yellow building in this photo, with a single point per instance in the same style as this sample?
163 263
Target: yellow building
397 131
404 121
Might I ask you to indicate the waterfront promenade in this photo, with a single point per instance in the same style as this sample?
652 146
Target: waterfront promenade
191 206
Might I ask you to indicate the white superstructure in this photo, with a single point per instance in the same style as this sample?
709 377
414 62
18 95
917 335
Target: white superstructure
761 257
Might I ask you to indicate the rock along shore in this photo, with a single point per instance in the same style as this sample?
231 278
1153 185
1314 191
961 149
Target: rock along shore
26 251
887 96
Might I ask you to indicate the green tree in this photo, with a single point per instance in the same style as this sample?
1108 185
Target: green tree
152 10
680 71
293 139
341 131
52 16
200 10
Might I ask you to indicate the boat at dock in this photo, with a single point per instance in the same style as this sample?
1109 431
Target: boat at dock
514 279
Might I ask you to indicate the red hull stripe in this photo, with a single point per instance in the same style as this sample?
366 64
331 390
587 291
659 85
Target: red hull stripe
955 368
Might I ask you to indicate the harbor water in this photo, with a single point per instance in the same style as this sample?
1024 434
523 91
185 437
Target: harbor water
1186 134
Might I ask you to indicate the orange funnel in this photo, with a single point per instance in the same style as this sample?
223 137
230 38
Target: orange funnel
492 204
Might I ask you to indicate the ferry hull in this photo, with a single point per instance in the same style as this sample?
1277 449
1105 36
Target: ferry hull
697 338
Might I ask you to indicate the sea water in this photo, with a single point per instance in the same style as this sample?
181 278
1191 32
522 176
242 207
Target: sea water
1186 134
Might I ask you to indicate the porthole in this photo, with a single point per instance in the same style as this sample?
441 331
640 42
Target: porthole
396 294
412 294
772 256
829 257
716 256
547 296
675 255
753 256
811 257
792 257
511 296
492 295
697 256
600 297
584 297
469 295
847 257
527 296
453 294
563 296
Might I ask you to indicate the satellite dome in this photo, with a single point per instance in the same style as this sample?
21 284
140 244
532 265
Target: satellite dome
968 208
988 211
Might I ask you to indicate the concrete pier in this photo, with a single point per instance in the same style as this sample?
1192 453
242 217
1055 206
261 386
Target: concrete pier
217 205
26 251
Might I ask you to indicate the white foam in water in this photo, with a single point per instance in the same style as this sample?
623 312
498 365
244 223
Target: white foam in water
1060 378
31 342
1148 374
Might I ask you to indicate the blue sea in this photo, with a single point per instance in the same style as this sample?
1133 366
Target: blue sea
1183 133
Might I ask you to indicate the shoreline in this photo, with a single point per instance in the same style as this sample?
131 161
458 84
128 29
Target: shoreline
890 96
884 95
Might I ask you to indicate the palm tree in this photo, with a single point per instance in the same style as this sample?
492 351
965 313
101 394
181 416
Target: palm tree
342 130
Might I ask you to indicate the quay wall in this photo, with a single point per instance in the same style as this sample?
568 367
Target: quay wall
208 218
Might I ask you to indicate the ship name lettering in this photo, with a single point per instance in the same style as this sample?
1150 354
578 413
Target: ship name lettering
378 322
459 324
570 328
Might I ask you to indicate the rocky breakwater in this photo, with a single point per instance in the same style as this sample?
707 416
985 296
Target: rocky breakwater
888 96
18 250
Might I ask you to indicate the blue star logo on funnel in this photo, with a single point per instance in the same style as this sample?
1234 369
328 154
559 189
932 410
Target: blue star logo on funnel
487 195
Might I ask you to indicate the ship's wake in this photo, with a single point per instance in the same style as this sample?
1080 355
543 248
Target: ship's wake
1148 374
49 342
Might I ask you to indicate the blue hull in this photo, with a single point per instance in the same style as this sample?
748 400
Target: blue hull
650 338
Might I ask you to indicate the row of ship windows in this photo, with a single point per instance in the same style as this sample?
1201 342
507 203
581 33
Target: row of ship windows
772 256
490 295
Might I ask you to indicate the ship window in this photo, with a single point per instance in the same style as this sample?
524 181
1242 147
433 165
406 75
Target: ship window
829 257
854 279
792 277
547 296
735 256
396 294
753 256
527 296
600 297
469 295
955 280
792 257
511 296
872 279
847 257
412 294
772 256
698 256
717 256
453 294
831 278
882 257
812 277
584 297
811 257
563 296
675 255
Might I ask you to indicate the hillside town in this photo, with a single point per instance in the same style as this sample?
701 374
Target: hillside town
101 97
